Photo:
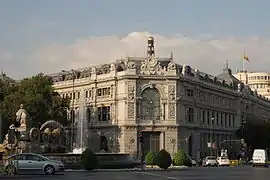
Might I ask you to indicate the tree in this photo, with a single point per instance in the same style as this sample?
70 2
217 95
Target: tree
150 158
255 134
163 159
181 159
39 99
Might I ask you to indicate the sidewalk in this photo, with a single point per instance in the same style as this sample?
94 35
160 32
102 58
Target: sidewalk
148 168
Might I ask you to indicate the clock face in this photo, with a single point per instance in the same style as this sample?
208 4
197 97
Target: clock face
151 104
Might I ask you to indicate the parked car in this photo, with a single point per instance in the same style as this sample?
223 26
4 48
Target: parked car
25 162
210 161
223 161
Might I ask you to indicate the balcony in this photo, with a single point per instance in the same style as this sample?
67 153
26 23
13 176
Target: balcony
150 122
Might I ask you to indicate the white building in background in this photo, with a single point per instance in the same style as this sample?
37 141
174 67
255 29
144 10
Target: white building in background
257 81
166 101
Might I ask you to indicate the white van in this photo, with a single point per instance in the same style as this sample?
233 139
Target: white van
260 158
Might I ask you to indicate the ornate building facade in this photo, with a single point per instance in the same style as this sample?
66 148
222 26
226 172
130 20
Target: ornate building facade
173 105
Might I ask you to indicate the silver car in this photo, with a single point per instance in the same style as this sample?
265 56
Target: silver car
30 162
210 161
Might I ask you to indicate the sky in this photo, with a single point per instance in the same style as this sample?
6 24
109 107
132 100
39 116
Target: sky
52 35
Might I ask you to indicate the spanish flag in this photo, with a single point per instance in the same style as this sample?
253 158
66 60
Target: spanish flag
245 57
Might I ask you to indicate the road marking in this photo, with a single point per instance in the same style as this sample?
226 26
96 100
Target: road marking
156 175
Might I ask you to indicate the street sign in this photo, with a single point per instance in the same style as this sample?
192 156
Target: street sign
209 144
242 141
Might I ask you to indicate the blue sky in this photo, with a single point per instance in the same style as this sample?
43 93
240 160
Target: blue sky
33 23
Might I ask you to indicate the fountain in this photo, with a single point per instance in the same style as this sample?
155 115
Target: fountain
21 137
72 159
81 129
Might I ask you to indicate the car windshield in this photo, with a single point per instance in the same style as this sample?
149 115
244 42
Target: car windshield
224 158
211 158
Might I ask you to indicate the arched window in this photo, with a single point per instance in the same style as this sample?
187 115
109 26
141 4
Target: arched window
72 115
88 114
150 109
103 144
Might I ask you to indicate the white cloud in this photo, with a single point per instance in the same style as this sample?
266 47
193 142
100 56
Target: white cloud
207 53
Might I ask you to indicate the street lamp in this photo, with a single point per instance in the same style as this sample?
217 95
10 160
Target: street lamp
73 75
211 136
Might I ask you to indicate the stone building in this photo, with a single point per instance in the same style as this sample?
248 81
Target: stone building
257 81
173 105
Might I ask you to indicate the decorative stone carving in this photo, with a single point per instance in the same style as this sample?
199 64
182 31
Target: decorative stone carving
171 92
171 66
197 72
172 111
112 68
131 140
184 70
131 89
131 103
151 67
173 140
93 70
171 89
131 65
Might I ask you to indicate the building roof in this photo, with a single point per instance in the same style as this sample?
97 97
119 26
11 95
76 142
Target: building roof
228 77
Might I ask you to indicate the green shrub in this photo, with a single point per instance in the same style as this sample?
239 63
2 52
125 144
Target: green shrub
2 169
88 160
163 159
150 158
181 159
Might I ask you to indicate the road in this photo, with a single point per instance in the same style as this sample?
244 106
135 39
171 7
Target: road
245 173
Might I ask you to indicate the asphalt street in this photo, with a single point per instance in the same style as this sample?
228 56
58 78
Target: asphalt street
236 173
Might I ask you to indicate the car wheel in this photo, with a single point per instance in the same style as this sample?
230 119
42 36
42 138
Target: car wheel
49 170
11 170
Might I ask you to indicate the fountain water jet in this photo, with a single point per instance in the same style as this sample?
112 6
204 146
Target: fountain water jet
81 127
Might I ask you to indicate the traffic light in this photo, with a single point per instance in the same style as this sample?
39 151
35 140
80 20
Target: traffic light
140 138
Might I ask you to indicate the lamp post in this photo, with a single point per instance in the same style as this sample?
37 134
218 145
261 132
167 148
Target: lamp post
73 74
243 145
211 135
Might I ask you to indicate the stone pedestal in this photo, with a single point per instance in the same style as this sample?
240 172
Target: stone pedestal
28 140
24 146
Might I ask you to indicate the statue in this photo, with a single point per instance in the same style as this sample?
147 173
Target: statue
21 117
